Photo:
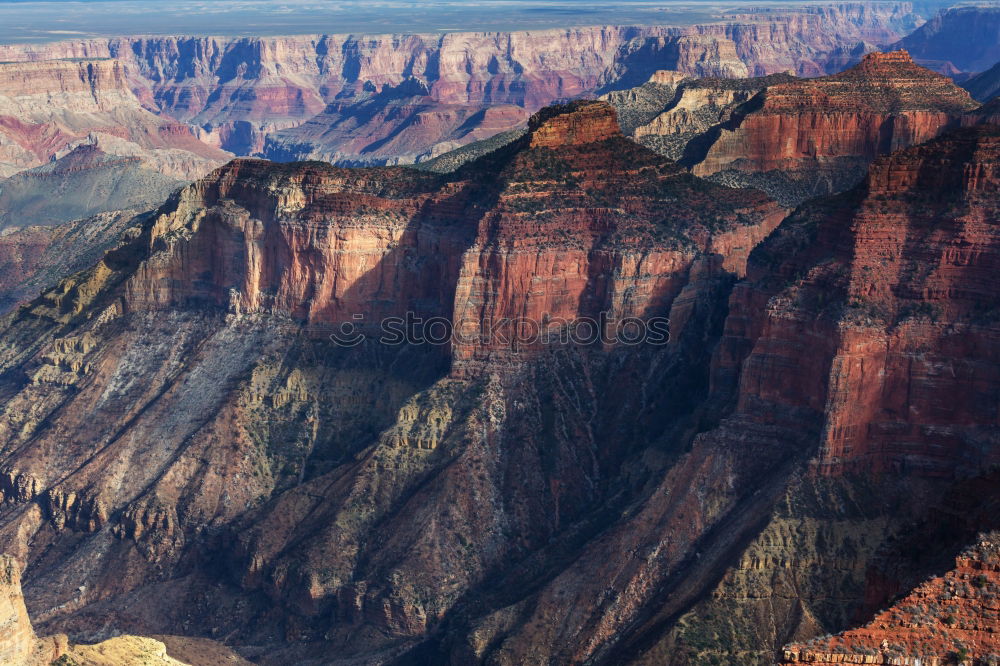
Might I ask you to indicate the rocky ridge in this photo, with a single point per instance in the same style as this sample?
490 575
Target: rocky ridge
830 320
800 138
985 85
249 270
80 184
958 40
949 619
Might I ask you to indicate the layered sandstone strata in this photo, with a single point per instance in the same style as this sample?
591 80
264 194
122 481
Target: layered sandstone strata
187 430
699 106
398 98
821 133
48 107
202 347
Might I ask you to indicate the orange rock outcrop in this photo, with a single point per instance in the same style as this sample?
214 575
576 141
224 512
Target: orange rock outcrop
949 619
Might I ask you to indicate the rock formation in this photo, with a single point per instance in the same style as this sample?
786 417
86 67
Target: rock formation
82 183
985 85
49 107
822 132
700 105
397 98
211 430
800 138
961 39
949 619
17 640
251 411
20 647
32 259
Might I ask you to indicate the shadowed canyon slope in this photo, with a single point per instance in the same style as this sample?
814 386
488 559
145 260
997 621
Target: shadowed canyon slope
21 647
963 39
985 85
391 98
184 449
202 349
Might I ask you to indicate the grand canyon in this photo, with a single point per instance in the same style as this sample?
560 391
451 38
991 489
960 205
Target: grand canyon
671 344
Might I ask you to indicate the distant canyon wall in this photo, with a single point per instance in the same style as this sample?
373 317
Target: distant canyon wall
399 98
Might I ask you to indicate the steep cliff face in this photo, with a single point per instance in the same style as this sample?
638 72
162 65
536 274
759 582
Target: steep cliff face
203 348
211 430
699 106
885 271
797 138
961 39
829 324
49 107
811 41
814 136
17 642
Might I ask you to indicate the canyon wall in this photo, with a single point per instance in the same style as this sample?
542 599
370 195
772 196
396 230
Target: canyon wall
985 85
48 107
801 138
958 40
949 619
207 431
208 331
397 98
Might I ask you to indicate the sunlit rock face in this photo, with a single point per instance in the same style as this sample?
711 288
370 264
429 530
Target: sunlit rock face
823 132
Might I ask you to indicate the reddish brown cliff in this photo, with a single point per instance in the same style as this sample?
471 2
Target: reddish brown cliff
185 430
202 347
896 285
822 132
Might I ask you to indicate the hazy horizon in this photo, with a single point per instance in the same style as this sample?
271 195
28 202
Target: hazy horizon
54 20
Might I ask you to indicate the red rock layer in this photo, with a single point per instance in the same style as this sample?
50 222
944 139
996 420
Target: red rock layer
842 121
616 261
949 619
325 244
886 330
172 342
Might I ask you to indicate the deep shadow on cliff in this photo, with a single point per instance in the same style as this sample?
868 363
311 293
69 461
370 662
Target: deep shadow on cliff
185 449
